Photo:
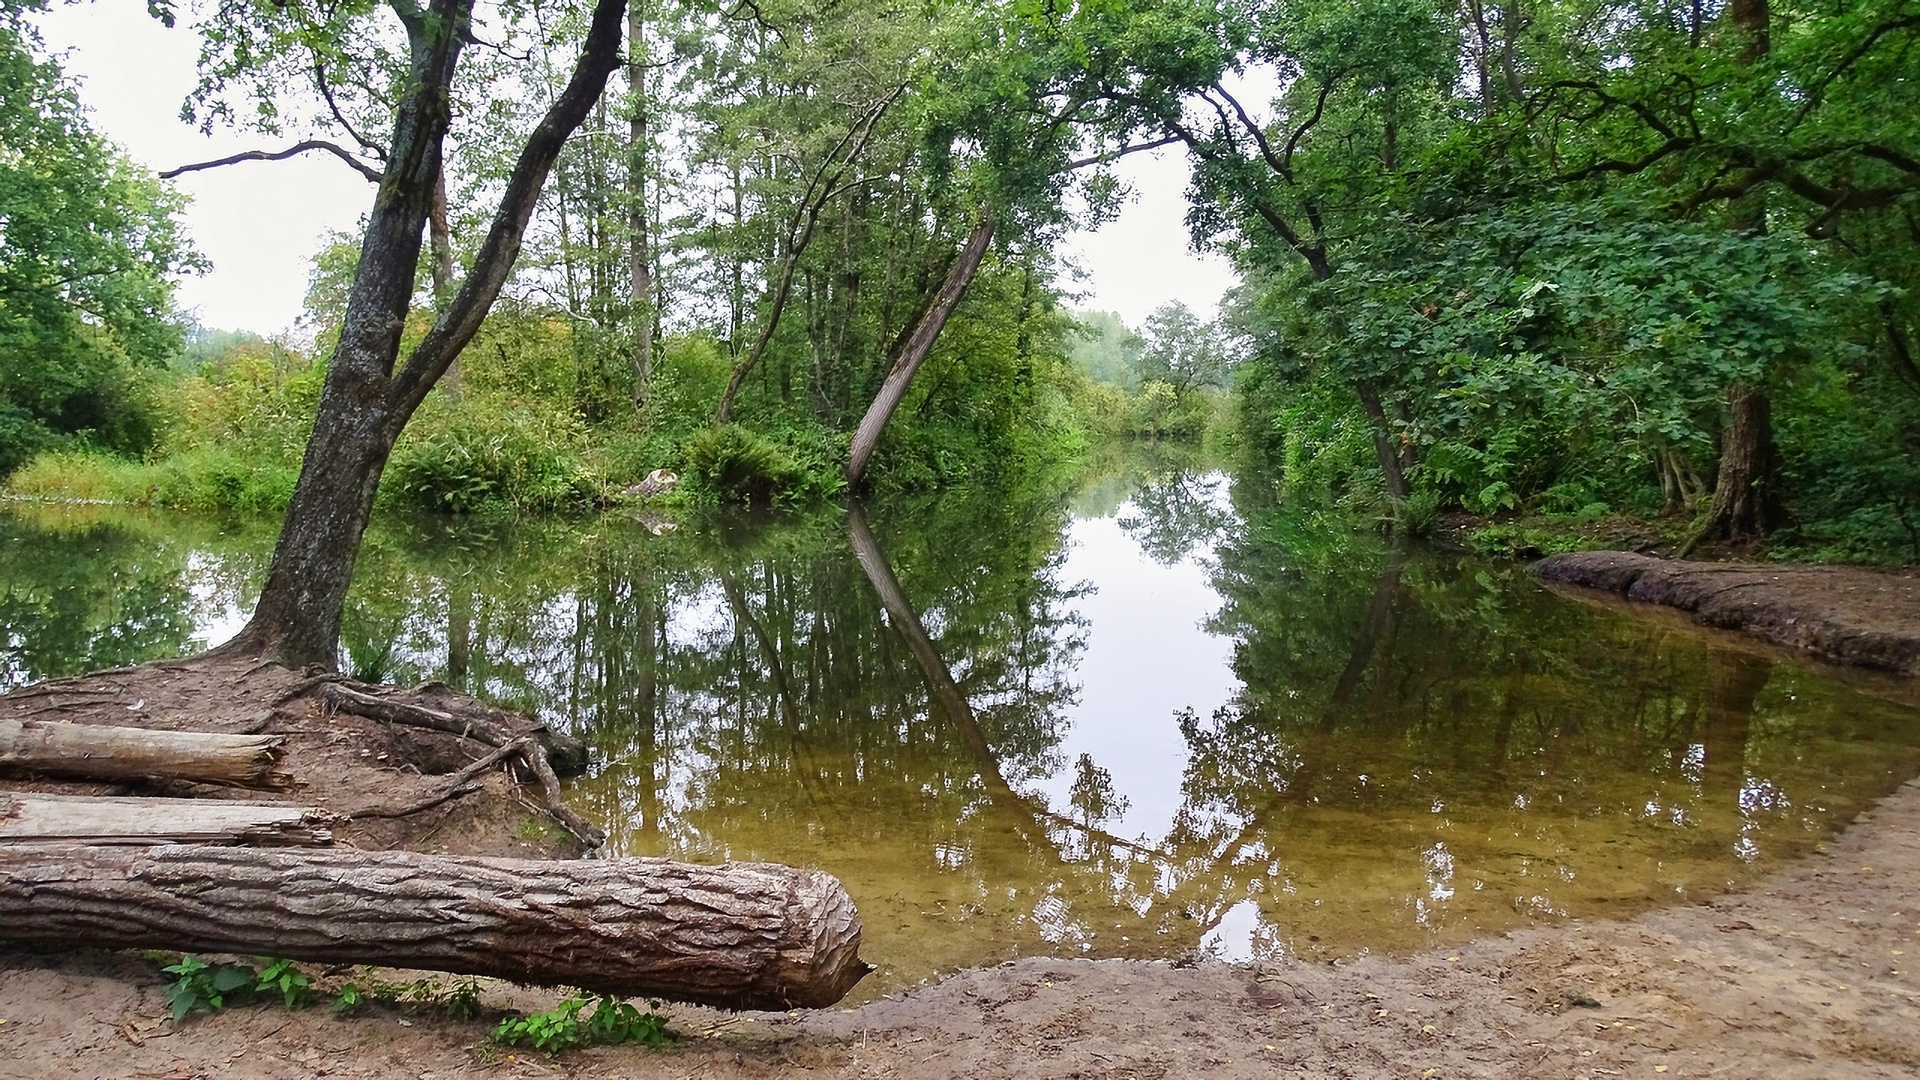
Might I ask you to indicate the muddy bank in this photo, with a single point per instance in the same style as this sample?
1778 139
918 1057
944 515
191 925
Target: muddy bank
1813 975
1843 615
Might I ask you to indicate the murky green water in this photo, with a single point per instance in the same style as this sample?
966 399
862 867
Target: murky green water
1125 723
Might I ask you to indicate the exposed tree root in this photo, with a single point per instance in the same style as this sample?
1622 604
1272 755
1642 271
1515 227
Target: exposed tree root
468 723
241 694
464 782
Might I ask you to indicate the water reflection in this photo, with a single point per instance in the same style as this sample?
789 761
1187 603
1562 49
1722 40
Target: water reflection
1143 720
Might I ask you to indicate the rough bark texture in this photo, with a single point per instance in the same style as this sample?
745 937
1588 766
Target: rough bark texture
1848 616
740 935
918 345
1746 499
365 402
72 819
125 753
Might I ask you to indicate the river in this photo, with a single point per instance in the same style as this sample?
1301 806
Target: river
1152 716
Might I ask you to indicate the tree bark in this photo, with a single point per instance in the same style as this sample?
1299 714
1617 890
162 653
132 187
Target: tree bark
125 753
739 935
1746 503
73 819
1746 500
639 255
918 344
365 403
1390 469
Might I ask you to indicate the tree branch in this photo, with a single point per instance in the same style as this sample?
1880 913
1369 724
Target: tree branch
361 167
599 58
1115 155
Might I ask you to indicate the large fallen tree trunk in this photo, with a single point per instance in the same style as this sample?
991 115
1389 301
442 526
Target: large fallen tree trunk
30 818
740 935
99 752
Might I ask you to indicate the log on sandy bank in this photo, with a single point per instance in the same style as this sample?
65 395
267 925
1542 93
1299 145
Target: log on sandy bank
100 752
1846 615
32 818
739 935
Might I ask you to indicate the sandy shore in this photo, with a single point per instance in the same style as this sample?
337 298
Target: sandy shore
1812 975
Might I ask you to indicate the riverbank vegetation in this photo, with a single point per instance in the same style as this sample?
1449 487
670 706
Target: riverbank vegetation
1550 265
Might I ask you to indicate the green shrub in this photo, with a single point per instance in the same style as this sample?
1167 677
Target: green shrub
732 464
612 1023
466 456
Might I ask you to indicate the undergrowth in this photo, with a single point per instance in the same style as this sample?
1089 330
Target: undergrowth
202 987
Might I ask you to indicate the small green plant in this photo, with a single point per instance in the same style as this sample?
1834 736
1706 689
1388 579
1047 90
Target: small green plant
348 999
204 987
553 1030
281 977
613 1022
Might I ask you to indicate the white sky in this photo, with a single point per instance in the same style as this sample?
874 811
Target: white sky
259 223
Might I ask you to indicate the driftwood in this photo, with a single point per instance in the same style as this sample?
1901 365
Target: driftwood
99 752
74 819
740 935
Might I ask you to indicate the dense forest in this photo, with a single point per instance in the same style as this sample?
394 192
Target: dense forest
1559 260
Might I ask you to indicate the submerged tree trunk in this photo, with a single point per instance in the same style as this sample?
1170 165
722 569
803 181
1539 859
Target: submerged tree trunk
738 936
913 353
365 403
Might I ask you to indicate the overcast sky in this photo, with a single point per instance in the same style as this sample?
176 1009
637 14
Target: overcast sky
259 223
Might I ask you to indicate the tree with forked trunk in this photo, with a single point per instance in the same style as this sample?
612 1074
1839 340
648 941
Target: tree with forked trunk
370 394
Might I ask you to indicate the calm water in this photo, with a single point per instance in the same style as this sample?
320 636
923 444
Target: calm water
1134 721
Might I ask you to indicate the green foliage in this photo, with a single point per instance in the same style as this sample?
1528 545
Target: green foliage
613 1022
734 465
474 455
202 987
88 248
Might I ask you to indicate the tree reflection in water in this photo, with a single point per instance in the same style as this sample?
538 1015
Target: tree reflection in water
1415 746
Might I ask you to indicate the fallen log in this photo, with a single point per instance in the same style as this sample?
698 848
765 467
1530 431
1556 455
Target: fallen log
32 818
99 752
739 935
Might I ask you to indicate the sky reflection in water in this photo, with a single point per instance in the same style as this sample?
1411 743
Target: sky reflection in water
1159 717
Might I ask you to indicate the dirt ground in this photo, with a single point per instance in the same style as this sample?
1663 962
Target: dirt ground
1846 615
1813 975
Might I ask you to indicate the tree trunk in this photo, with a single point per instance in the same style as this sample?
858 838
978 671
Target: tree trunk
365 403
440 240
639 256
1746 502
73 819
739 935
918 344
1390 470
125 753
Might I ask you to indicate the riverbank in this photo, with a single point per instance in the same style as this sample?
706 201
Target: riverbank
1812 975
1851 616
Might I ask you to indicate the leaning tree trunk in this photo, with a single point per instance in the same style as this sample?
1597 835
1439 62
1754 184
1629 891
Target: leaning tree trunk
739 935
914 353
1383 448
366 402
